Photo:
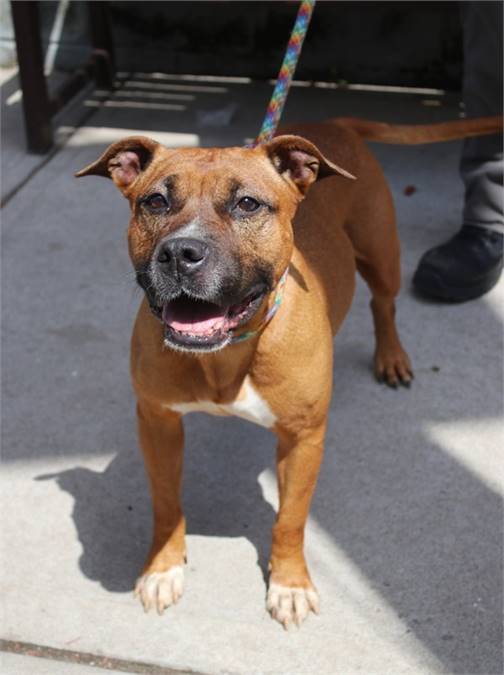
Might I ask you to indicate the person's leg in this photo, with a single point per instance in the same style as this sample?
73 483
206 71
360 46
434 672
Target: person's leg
481 162
470 263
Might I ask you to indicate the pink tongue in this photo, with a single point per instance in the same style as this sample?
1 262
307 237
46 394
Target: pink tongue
196 318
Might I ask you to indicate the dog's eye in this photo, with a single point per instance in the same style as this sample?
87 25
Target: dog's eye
156 202
248 204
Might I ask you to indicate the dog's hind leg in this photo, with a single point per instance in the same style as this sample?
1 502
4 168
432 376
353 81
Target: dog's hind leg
373 233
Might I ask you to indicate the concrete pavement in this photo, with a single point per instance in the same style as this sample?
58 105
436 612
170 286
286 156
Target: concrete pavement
405 533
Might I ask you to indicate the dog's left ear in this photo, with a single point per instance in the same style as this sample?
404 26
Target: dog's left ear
123 161
301 162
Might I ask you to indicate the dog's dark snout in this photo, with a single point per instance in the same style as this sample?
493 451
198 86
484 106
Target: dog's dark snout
182 254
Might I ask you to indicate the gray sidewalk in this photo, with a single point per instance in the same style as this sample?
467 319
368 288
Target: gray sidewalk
405 534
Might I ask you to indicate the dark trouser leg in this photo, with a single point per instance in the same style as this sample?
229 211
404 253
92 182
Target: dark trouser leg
481 165
470 263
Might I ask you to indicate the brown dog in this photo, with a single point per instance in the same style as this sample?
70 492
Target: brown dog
221 241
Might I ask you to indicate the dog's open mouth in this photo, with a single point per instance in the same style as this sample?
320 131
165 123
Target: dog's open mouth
195 324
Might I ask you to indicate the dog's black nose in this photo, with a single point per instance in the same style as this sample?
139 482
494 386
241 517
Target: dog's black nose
185 256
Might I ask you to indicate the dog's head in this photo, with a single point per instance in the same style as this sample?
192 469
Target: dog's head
210 233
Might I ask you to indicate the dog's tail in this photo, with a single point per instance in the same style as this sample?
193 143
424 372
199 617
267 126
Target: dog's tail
416 134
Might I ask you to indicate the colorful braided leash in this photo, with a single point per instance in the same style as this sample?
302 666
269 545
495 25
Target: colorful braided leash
286 73
270 124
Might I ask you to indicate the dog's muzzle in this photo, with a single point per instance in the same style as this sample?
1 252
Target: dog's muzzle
194 293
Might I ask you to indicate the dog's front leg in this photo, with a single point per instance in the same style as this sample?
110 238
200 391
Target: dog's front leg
162 438
291 593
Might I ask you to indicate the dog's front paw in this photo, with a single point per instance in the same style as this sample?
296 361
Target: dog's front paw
291 604
160 589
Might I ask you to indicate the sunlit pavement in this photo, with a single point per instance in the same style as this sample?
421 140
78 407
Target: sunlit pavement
405 535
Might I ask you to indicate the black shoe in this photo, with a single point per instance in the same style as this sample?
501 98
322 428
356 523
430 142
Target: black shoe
468 265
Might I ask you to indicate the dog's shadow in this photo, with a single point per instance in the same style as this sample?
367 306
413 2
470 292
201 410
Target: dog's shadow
112 509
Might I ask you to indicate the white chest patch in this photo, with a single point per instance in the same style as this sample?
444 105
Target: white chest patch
250 406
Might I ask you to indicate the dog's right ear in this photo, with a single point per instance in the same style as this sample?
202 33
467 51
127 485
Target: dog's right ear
123 161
